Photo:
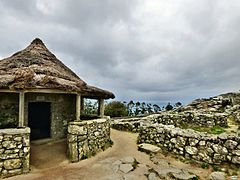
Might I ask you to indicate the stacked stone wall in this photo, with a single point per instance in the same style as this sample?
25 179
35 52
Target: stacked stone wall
171 118
86 138
202 147
14 151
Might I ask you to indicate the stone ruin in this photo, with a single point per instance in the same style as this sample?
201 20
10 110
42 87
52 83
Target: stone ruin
165 129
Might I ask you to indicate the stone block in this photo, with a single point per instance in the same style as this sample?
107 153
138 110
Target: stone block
77 130
9 144
191 150
12 164
73 152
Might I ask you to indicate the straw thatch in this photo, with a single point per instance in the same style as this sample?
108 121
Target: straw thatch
36 67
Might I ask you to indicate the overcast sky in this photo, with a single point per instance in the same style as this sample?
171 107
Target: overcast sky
147 50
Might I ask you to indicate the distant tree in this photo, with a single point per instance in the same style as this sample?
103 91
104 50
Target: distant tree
149 108
156 108
90 107
178 104
169 107
143 108
130 106
137 110
116 109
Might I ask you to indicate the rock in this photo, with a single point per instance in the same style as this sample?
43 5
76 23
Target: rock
12 164
164 172
184 175
191 150
141 169
9 144
231 144
236 160
78 130
125 168
128 160
152 176
217 176
160 162
134 177
149 148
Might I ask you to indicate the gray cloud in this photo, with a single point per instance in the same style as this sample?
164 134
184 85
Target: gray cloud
142 50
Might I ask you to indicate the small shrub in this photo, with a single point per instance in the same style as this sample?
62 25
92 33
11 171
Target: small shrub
116 109
216 168
205 165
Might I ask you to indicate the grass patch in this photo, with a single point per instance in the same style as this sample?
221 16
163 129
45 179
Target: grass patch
210 130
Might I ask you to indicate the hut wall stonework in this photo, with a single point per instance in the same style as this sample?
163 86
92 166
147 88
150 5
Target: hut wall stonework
14 151
203 147
86 138
8 110
62 111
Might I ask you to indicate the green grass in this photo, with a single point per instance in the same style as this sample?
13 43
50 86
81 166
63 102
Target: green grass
210 130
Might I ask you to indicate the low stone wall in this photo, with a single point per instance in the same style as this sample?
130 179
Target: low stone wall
128 124
177 119
14 151
86 138
203 147
191 117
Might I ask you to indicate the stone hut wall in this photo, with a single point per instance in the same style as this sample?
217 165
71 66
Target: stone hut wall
8 110
14 151
63 109
86 138
203 147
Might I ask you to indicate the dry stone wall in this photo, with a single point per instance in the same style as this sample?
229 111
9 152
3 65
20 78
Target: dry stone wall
86 138
203 147
177 119
14 151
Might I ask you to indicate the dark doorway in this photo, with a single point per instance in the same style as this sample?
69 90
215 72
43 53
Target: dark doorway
39 119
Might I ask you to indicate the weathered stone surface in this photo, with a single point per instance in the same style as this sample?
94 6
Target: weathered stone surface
77 130
152 176
128 160
231 144
12 164
191 150
125 168
149 148
86 138
9 144
160 162
184 175
73 151
236 159
217 176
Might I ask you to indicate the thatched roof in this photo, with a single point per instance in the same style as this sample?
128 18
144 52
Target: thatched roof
36 67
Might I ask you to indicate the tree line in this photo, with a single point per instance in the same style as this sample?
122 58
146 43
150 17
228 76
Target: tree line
131 108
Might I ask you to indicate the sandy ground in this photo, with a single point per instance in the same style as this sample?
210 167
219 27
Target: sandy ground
49 161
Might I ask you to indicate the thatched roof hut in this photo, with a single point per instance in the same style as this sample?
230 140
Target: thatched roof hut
37 90
35 67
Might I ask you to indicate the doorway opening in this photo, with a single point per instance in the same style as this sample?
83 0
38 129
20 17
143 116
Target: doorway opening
39 120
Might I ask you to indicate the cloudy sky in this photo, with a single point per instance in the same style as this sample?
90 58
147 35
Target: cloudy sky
147 50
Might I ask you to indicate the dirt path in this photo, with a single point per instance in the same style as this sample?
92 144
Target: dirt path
52 163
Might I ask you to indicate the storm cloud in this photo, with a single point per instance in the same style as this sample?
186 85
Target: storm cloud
146 50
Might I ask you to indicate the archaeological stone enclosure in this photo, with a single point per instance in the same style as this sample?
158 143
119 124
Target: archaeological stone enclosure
172 132
41 98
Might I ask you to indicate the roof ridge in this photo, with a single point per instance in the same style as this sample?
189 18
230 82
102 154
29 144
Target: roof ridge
37 41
